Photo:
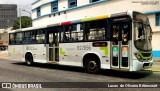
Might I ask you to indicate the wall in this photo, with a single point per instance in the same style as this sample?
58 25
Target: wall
152 23
88 11
155 36
62 4
40 2
156 44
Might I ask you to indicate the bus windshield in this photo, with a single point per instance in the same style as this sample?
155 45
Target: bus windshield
142 33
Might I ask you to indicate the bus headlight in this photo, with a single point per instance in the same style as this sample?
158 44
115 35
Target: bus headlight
138 57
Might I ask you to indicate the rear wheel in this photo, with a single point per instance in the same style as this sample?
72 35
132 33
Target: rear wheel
92 65
29 59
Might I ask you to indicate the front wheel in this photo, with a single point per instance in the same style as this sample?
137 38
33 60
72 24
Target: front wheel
92 65
29 59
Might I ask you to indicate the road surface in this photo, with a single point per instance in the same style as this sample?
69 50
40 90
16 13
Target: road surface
16 71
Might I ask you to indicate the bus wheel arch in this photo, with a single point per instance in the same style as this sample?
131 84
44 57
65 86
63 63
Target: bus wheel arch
29 58
91 63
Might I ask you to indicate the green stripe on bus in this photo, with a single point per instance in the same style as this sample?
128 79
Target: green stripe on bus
61 52
87 19
105 49
14 50
140 53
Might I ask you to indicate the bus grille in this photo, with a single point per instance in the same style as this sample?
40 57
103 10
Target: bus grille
146 54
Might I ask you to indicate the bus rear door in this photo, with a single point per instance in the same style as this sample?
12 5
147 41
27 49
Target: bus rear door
53 39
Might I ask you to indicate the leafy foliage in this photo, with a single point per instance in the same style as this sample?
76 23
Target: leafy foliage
25 22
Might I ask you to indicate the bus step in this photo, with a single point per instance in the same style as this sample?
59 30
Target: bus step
126 69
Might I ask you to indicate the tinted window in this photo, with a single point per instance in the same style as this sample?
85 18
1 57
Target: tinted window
95 30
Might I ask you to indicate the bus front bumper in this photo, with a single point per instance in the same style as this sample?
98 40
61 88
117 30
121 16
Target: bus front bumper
137 65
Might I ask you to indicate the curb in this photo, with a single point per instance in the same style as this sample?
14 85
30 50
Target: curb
155 67
153 70
5 58
156 59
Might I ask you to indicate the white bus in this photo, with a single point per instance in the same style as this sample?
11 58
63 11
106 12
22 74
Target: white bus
119 41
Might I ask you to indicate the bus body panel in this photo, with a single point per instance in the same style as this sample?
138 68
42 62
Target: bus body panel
38 51
16 51
74 53
141 65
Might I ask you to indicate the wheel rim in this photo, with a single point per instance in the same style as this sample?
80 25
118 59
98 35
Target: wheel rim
29 60
92 65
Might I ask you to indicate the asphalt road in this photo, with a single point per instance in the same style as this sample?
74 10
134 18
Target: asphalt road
16 71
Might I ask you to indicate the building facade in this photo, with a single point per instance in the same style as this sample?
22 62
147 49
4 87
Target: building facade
56 11
3 39
8 13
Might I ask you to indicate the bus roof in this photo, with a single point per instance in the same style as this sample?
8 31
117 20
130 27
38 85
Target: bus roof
28 28
116 14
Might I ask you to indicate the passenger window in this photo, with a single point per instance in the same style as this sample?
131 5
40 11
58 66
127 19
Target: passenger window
72 33
125 34
11 39
40 36
77 33
95 30
27 39
115 30
18 38
67 34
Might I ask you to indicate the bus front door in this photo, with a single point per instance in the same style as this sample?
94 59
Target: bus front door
120 46
53 47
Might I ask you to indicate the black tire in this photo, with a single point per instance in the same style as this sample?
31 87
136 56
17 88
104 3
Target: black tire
29 59
92 65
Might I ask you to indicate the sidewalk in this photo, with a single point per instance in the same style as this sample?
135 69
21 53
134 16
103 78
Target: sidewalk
4 55
155 67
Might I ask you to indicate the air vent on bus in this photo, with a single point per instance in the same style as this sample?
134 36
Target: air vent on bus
146 54
146 64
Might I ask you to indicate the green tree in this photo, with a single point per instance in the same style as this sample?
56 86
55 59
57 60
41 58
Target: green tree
25 22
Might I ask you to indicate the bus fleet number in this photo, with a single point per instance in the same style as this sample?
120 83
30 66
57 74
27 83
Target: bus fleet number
84 47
